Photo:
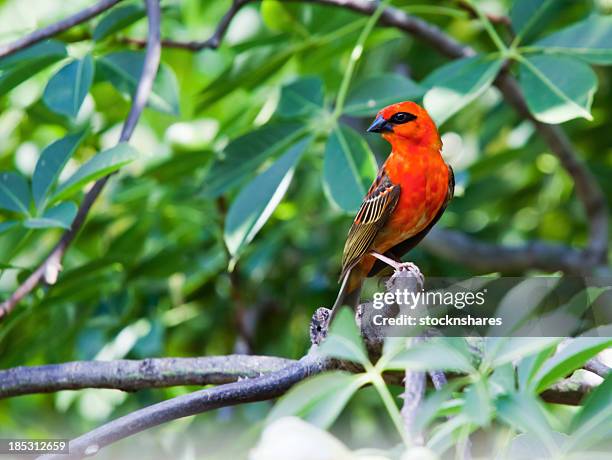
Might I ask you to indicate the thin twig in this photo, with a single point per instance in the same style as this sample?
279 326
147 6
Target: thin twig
54 29
49 268
244 391
132 375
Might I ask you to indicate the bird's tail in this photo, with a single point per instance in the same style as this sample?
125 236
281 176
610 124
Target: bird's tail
347 295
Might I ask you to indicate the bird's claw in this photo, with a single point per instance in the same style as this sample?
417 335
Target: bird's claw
413 270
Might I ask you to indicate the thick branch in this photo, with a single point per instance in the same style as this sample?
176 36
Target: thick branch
132 375
241 392
50 267
54 29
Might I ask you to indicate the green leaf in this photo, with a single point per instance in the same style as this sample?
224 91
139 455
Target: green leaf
14 192
255 203
478 407
302 97
50 165
118 18
246 153
4 227
67 89
529 366
104 163
61 216
557 88
527 446
517 307
515 348
529 17
343 340
374 93
590 40
18 67
434 404
348 169
319 399
443 353
455 85
572 356
592 424
525 413
280 16
123 68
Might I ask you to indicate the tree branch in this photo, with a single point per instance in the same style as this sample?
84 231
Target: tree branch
487 257
51 266
244 391
132 375
54 29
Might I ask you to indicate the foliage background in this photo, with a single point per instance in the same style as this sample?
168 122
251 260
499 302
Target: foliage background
148 275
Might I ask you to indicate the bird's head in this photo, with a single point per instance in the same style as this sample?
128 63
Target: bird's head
406 121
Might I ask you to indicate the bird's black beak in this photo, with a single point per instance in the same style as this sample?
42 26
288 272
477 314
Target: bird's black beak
380 125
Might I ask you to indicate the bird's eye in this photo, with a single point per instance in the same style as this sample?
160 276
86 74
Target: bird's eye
402 117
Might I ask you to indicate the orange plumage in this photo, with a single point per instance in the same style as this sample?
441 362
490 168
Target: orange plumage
409 195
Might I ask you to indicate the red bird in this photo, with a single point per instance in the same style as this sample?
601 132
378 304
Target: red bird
407 198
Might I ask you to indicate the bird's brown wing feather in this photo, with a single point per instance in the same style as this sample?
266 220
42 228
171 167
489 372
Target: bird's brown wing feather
399 250
375 209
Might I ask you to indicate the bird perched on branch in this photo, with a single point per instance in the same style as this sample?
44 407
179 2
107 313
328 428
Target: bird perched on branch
407 198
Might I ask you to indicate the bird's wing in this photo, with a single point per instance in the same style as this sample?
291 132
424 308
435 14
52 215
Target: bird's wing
398 251
376 208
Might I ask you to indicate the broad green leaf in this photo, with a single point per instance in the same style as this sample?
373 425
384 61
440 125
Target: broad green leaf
14 192
448 433
61 216
557 88
572 356
103 163
442 353
526 413
246 153
118 18
478 407
50 165
319 399
348 169
516 308
374 93
590 40
515 348
123 69
67 89
455 85
527 446
592 424
5 226
529 17
256 202
433 404
343 340
18 67
302 97
529 366
280 16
